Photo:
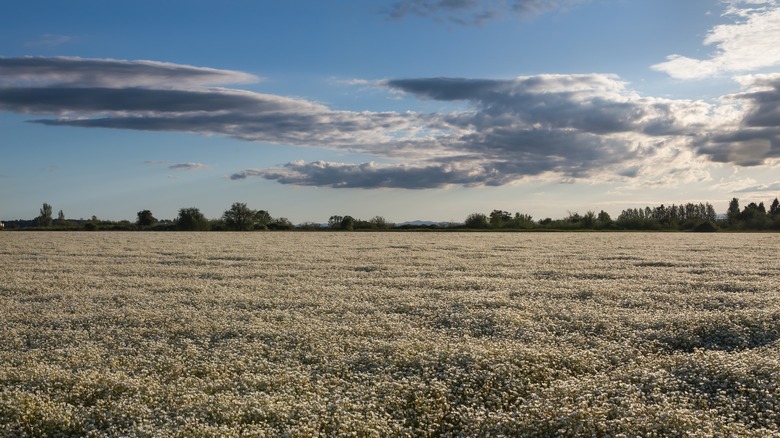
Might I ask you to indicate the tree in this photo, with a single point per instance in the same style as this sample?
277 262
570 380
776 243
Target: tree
62 222
281 223
733 211
603 220
378 223
476 220
263 219
44 220
191 219
522 220
775 207
754 217
589 219
239 217
573 218
145 218
334 222
498 218
347 223
709 213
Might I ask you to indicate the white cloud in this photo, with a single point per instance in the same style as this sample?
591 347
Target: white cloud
772 187
749 132
50 41
749 44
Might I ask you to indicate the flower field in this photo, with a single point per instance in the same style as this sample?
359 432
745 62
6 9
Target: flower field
389 334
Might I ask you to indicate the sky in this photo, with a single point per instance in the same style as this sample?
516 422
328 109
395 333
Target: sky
410 110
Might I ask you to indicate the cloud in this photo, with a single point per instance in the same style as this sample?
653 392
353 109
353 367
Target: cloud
572 126
577 126
472 11
373 175
50 41
749 44
157 96
590 127
590 103
187 166
773 187
245 116
753 137
111 73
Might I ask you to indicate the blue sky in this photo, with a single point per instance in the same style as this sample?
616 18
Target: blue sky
428 109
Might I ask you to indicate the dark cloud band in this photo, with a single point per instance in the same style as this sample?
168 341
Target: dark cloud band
81 72
468 12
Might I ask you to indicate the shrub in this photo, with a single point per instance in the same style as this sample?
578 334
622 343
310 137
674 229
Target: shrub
705 227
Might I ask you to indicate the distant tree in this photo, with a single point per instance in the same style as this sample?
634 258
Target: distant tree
281 223
636 219
262 219
709 213
754 217
749 212
145 218
191 219
476 220
309 226
589 220
239 217
334 222
573 218
522 221
378 223
347 223
674 215
499 218
44 219
62 222
733 211
775 207
603 220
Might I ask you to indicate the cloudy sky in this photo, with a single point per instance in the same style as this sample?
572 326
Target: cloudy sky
426 109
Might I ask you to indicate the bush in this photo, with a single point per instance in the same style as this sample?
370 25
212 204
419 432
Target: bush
476 220
705 227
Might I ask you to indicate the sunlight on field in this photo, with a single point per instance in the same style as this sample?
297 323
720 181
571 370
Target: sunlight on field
377 334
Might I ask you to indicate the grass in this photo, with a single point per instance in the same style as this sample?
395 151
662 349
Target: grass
389 334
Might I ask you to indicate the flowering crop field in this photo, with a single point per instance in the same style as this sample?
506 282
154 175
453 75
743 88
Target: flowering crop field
389 334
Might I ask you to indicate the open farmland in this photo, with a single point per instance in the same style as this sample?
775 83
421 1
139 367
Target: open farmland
378 334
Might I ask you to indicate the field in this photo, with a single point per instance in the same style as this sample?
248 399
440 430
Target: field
389 334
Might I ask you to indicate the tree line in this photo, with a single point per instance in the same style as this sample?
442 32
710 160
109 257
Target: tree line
239 217
684 217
